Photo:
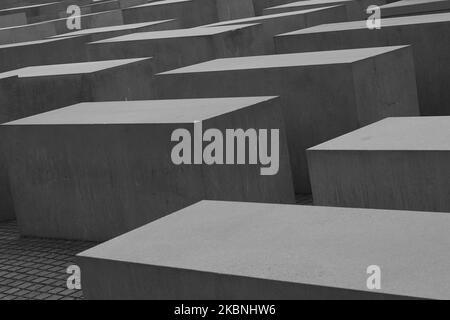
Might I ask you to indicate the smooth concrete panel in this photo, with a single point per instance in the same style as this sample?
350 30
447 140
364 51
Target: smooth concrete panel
182 47
414 7
323 94
260 5
230 250
397 163
356 9
190 13
88 21
275 24
28 32
96 170
11 20
428 35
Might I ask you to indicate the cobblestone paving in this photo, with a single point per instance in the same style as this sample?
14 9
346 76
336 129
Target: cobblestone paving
32 268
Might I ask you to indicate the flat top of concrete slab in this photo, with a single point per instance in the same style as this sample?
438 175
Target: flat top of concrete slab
112 28
323 246
260 19
386 23
306 3
176 33
70 68
402 133
285 60
151 111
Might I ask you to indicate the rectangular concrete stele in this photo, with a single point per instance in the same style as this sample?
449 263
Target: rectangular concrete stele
190 13
260 5
397 163
182 47
323 94
289 21
27 32
88 21
231 250
414 7
11 20
427 34
33 90
356 9
131 3
36 12
96 34
116 171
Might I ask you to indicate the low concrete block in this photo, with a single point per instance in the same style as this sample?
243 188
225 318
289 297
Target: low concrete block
397 163
230 250
190 13
12 20
414 7
182 47
356 9
275 24
428 35
116 171
323 94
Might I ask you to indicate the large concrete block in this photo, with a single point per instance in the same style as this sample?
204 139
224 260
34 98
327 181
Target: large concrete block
116 173
397 163
414 7
181 47
90 20
275 24
37 12
190 13
230 250
33 90
260 5
11 20
323 94
28 32
356 9
428 35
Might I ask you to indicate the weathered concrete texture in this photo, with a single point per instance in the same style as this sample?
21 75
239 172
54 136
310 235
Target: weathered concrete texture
11 20
289 21
323 94
28 32
260 5
414 7
116 172
33 90
397 163
90 20
232 250
36 13
190 13
182 47
356 9
428 35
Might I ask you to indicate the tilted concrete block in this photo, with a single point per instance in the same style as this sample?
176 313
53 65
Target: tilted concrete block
397 163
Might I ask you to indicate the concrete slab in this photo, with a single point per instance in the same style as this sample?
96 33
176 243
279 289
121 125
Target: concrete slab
356 9
397 163
275 24
116 171
414 7
28 32
427 34
230 250
12 20
260 5
37 12
182 47
323 94
190 13
90 20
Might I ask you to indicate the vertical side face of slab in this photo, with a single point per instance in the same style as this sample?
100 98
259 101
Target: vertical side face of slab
11 20
26 33
234 9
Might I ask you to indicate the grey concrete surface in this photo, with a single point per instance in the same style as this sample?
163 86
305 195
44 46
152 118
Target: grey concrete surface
414 7
427 34
356 9
232 250
116 172
190 13
323 94
397 163
182 47
27 32
275 24
260 5
11 20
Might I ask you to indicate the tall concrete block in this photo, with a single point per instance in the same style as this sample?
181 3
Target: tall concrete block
356 9
414 7
177 48
11 20
427 34
230 250
397 163
323 94
190 13
116 173
38 89
275 24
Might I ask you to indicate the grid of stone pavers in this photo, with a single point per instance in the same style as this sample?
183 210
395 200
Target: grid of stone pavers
32 268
